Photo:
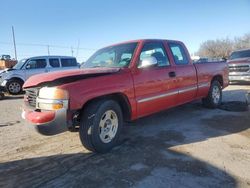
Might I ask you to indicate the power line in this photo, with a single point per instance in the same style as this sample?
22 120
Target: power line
46 45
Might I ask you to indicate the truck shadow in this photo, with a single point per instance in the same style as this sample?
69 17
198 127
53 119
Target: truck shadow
140 162
10 123
12 97
240 105
144 157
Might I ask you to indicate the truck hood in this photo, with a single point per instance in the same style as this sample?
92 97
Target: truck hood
239 60
63 77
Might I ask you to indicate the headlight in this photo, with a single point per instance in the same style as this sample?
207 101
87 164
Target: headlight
53 93
52 98
4 83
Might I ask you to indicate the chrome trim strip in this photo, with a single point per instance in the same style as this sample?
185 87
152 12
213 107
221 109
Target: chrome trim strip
240 64
191 88
203 85
188 89
158 96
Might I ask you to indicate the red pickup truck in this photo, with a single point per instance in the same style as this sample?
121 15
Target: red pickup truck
120 83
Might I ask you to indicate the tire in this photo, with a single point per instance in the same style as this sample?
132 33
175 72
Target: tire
14 86
213 100
100 126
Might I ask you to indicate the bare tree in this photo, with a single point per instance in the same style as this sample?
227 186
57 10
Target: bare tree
242 42
222 48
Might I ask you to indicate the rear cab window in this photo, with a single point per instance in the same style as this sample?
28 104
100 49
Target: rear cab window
68 62
179 54
54 62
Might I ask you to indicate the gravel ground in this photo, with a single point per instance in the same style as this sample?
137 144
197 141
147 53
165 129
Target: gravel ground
188 146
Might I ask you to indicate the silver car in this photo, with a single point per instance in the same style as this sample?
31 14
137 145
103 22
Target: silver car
13 79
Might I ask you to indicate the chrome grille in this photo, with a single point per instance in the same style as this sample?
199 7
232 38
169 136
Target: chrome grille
239 68
31 95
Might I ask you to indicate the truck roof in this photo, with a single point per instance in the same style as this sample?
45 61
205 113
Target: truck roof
143 40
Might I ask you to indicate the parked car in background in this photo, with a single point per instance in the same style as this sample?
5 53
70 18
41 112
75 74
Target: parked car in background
5 57
13 79
239 66
125 81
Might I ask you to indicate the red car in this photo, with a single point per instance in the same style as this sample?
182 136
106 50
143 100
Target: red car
122 82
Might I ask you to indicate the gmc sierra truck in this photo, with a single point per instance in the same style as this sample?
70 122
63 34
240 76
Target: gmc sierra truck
239 66
122 82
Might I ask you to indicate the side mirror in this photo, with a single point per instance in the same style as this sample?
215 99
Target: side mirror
28 66
148 62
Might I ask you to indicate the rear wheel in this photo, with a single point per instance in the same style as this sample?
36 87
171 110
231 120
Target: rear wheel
213 100
101 124
14 86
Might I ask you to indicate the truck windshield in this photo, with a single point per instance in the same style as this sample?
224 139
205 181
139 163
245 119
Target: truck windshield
240 54
114 56
20 64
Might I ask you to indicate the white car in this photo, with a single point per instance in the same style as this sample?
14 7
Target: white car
13 79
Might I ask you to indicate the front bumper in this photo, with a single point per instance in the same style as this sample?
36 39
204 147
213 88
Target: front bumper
3 83
47 122
2 89
239 78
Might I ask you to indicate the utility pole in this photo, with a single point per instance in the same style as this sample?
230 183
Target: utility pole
48 50
78 45
14 41
72 51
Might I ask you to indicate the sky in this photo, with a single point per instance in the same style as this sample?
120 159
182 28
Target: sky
80 27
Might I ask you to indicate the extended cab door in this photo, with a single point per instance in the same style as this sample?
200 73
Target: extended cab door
185 73
155 87
35 66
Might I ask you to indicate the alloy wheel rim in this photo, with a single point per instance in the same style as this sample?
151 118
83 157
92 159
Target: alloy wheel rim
108 126
14 87
216 94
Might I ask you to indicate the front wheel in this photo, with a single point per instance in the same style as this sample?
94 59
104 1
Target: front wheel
14 86
213 100
100 126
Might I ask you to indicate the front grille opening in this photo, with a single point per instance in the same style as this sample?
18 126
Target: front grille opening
31 95
239 68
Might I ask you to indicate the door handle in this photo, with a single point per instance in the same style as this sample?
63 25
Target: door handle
172 74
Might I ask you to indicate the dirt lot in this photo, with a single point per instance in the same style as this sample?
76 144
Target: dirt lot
188 146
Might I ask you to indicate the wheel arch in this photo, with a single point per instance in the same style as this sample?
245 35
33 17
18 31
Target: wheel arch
16 78
218 78
120 98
